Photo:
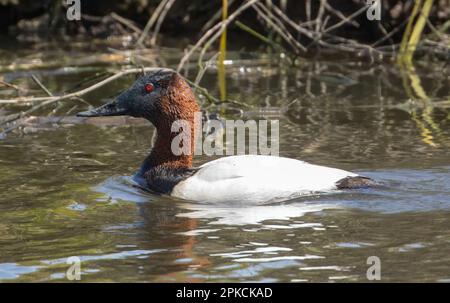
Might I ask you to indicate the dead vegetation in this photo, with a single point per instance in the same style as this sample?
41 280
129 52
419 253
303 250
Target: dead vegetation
412 30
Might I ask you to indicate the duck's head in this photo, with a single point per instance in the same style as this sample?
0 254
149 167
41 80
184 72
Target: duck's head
161 96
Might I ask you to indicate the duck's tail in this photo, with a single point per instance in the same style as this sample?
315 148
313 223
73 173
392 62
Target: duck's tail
356 182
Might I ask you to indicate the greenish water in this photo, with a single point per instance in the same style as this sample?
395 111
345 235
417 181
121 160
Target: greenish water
66 189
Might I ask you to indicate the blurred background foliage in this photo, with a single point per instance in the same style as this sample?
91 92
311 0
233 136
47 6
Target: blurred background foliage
190 17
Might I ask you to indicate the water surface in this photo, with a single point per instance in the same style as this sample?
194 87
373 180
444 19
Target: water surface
66 188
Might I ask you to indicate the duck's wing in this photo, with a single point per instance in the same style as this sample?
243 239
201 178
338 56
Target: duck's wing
256 178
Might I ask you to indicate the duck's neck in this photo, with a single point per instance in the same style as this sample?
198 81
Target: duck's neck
176 104
162 153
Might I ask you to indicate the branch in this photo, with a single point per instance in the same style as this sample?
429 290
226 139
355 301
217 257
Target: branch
221 26
52 99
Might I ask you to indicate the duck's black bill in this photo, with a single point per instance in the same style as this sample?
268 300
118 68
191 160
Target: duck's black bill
109 109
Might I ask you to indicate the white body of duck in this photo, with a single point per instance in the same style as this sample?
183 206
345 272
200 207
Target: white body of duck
251 178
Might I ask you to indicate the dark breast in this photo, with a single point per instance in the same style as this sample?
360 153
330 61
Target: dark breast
356 182
163 179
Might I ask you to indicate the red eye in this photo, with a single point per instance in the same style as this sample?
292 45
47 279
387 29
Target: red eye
149 87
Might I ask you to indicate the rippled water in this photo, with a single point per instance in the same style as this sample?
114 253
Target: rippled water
66 189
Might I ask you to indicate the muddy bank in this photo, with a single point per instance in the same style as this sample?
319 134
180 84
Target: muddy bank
190 18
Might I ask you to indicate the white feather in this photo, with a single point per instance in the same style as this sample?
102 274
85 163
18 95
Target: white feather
251 178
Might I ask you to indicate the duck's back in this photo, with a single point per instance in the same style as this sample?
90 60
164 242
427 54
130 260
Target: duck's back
249 178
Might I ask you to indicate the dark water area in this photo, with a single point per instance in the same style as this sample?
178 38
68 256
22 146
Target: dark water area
66 189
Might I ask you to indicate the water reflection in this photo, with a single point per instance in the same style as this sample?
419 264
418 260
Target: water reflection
402 191
302 229
71 194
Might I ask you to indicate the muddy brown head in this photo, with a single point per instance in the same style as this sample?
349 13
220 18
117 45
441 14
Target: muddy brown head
162 97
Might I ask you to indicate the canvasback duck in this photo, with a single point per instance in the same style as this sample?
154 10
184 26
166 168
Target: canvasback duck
163 97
